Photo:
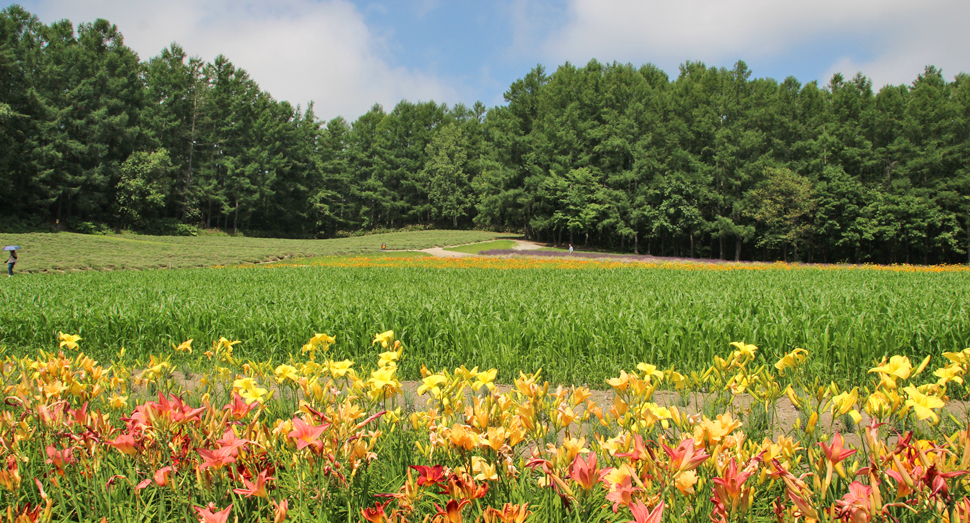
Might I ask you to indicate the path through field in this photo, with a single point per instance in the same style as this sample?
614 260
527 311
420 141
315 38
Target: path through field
520 245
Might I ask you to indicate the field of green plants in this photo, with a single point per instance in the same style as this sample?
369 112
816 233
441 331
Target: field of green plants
578 325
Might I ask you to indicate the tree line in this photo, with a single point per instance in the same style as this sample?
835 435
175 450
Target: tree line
712 163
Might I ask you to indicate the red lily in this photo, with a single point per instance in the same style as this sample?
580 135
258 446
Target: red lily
429 476
238 407
464 488
376 514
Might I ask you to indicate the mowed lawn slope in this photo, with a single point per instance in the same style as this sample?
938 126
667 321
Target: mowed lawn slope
53 252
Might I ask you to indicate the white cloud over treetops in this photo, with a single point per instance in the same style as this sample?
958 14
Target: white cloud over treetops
297 50
890 41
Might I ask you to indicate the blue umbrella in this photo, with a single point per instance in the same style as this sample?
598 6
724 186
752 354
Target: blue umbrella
11 248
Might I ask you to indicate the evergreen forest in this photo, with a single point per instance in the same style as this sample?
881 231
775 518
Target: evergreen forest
714 163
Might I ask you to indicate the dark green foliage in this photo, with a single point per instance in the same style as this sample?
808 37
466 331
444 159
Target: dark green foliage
605 155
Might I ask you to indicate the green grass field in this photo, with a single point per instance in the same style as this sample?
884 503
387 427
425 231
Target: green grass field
60 252
580 325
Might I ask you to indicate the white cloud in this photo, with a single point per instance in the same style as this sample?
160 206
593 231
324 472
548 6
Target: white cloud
906 46
298 50
899 36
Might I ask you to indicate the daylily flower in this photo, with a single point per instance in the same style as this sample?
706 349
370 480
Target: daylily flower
836 453
125 443
485 379
279 511
649 371
952 372
464 487
452 511
483 470
117 401
249 389
384 383
339 369
621 492
286 373
432 384
509 514
160 478
385 339
60 458
239 407
585 472
184 347
307 435
322 341
897 367
730 496
257 488
231 441
216 458
856 506
640 514
685 481
375 514
206 515
923 404
685 456
68 340
429 476
791 360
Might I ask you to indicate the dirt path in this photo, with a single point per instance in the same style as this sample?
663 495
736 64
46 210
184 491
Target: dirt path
520 245
441 253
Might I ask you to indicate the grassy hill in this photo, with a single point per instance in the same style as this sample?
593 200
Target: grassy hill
52 252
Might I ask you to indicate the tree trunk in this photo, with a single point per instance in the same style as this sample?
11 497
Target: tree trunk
235 218
737 249
636 243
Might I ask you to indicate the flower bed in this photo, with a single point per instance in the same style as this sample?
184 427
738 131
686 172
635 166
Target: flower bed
323 440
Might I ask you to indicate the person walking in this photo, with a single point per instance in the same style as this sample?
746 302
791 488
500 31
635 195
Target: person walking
11 261
570 248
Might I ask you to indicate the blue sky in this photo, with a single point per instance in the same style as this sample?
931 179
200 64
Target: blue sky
346 55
